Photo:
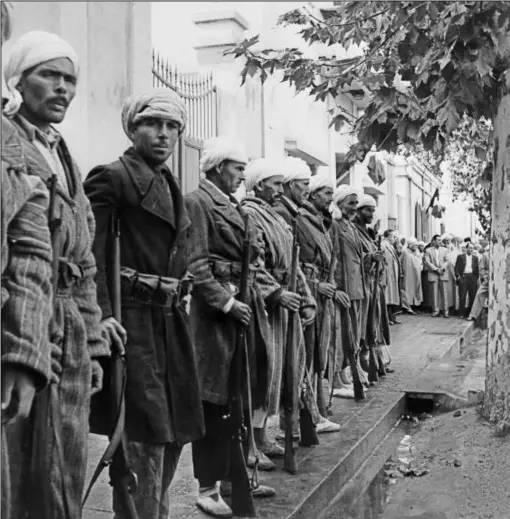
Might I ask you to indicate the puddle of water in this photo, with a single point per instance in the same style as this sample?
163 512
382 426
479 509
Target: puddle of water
373 502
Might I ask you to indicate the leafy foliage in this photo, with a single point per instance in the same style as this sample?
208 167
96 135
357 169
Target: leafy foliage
423 65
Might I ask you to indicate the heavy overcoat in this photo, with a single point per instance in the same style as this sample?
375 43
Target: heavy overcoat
350 278
315 253
392 274
75 324
276 249
412 267
162 394
220 228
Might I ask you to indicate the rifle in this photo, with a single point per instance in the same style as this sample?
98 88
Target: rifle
379 362
46 409
373 371
290 386
242 498
321 401
122 478
359 391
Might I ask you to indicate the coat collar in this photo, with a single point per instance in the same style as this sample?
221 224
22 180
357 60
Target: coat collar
155 199
350 235
229 206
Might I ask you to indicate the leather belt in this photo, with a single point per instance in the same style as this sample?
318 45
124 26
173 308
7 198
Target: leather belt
69 276
282 276
154 290
230 271
313 273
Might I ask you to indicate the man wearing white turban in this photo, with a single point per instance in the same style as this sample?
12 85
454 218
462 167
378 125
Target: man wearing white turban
265 177
163 405
315 257
41 73
375 327
26 288
296 185
349 278
219 225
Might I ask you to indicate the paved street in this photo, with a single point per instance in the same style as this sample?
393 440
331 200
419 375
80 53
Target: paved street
416 343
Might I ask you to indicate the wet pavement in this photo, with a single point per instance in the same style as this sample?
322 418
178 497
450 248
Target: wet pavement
417 343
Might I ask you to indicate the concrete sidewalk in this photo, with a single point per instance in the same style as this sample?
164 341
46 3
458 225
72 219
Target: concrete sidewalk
416 343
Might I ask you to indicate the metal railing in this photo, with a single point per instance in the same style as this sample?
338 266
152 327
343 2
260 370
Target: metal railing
199 92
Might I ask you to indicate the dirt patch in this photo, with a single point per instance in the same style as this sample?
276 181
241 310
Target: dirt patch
468 468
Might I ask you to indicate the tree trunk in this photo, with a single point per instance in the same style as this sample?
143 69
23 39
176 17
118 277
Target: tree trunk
497 385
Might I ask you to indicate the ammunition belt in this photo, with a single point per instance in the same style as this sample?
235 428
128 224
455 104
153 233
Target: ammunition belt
154 290
313 273
230 271
282 276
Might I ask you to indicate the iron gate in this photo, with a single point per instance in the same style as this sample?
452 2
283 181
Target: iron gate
200 96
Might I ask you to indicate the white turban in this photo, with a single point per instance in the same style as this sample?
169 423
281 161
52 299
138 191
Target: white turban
261 169
367 201
421 243
340 194
161 103
320 182
32 49
446 236
296 169
412 241
219 149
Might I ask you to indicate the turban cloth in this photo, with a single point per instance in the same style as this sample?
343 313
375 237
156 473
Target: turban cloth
341 193
32 49
7 9
296 169
412 241
421 243
219 149
446 236
367 201
261 169
160 103
320 182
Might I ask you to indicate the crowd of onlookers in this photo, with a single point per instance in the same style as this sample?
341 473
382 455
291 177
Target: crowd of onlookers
447 276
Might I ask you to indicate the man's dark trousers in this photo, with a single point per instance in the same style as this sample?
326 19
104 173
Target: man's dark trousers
467 287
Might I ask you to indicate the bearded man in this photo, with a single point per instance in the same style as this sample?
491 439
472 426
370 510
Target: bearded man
41 72
219 225
350 278
315 251
392 275
375 331
264 178
163 407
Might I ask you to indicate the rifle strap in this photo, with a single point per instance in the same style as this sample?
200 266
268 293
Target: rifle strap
116 438
254 483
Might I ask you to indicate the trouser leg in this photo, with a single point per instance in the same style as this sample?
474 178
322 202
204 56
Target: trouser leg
154 466
472 288
443 295
462 296
211 454
434 295
6 481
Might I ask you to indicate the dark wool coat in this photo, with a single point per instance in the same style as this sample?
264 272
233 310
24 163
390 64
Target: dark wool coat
75 325
220 227
162 394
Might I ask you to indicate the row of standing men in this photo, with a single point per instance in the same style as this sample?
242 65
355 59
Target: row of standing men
181 263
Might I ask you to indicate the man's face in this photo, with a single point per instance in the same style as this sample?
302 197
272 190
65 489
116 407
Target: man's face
469 249
231 176
348 206
391 238
463 249
367 214
446 242
47 91
154 139
299 190
413 247
421 246
271 189
322 198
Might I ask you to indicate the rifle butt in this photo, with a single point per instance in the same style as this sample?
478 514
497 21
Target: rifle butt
242 498
309 436
381 370
289 457
373 375
359 390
